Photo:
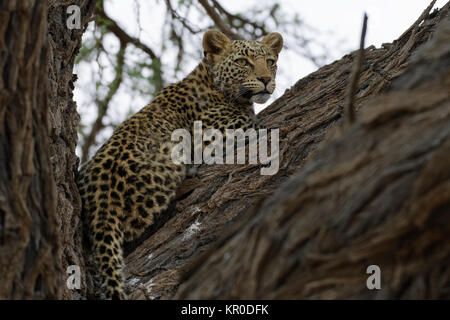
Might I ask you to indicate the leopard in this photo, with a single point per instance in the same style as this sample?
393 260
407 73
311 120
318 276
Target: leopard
132 179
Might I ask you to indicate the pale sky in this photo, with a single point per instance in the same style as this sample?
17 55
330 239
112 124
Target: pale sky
337 21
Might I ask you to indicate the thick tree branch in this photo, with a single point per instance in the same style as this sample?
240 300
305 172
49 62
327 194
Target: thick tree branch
377 194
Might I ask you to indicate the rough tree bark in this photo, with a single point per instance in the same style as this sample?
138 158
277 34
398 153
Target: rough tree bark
64 45
376 192
39 202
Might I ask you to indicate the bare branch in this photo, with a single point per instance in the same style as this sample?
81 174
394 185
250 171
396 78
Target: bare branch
123 36
243 21
186 24
218 21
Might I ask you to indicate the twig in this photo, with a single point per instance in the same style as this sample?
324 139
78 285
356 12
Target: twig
350 99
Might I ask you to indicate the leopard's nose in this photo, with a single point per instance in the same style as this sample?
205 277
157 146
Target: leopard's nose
265 80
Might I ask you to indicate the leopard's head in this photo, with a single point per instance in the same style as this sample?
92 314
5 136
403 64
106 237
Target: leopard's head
243 70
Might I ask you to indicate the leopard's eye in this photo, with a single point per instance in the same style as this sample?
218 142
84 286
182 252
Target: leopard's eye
242 62
270 62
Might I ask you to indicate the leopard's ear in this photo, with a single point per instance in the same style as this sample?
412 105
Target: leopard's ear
273 41
215 42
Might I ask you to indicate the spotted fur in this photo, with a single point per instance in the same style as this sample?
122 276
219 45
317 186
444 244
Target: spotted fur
132 178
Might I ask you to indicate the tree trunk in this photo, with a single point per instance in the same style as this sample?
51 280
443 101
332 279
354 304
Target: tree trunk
39 202
65 44
345 197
